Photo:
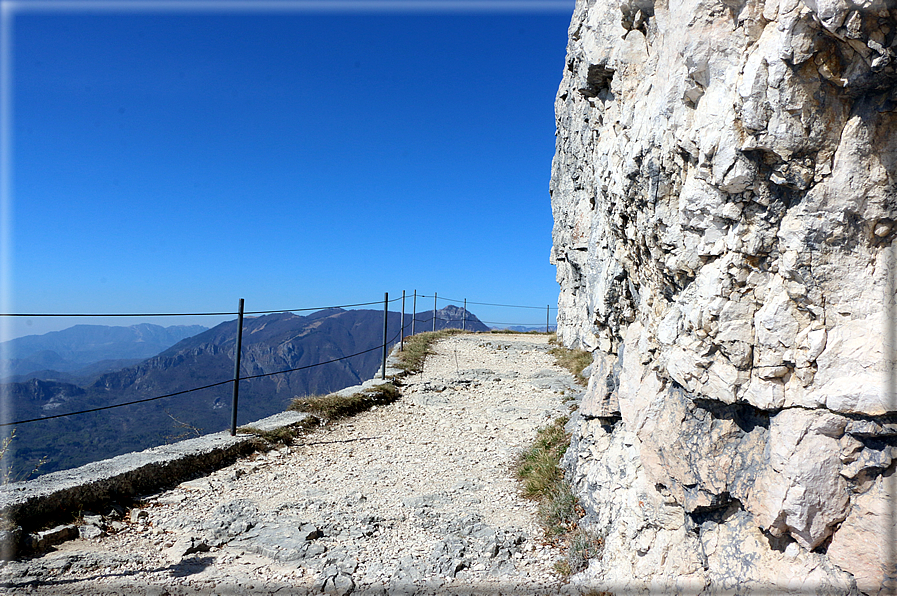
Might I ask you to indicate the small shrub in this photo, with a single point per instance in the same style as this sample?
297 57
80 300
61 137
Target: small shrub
6 464
188 431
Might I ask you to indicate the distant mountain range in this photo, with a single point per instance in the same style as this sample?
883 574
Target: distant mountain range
271 343
523 328
85 350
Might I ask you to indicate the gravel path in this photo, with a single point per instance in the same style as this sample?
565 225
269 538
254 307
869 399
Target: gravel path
416 497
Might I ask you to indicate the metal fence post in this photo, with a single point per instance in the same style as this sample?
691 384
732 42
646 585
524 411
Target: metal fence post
464 317
385 319
402 332
413 312
547 318
233 416
434 311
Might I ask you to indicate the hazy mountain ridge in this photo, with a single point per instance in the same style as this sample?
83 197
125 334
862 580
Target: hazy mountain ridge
79 349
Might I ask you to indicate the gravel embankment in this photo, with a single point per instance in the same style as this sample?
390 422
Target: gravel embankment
412 498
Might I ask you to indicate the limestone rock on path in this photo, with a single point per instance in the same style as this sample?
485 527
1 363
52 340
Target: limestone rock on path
416 497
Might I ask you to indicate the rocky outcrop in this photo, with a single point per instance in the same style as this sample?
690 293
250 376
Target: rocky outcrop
725 195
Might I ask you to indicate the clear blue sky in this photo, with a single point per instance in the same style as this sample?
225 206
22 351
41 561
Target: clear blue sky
177 161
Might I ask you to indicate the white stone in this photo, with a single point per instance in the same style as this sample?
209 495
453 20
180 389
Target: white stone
668 329
861 542
776 321
801 491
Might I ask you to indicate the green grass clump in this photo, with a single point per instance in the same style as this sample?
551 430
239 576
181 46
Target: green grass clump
333 406
573 360
538 469
419 346
323 408
558 510
583 545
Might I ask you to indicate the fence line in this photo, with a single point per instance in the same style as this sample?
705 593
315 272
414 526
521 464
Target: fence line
237 377
456 301
304 309
219 383
430 319
191 314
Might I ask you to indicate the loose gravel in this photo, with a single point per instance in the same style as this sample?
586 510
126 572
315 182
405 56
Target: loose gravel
417 497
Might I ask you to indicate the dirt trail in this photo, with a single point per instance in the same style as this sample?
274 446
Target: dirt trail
411 498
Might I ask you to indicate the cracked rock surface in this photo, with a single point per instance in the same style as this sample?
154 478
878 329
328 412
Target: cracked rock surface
416 497
724 192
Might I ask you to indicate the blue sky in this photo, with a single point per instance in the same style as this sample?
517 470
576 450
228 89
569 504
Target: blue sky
177 161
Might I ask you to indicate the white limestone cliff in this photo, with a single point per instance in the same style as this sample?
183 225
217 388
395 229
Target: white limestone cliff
725 195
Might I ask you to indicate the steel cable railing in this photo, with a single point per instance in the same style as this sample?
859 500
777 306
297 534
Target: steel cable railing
140 401
242 378
192 314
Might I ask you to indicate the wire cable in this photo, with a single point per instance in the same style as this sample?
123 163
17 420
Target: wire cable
265 312
469 302
129 403
139 401
513 305
280 372
192 314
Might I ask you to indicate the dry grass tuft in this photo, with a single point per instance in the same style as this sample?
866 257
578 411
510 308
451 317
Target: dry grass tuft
573 360
419 346
281 436
333 406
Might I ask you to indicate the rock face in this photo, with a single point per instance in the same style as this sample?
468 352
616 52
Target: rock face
725 196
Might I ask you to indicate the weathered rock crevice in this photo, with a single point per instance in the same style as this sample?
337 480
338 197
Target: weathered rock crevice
724 193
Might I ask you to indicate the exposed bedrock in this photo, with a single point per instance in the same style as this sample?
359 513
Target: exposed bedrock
725 202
